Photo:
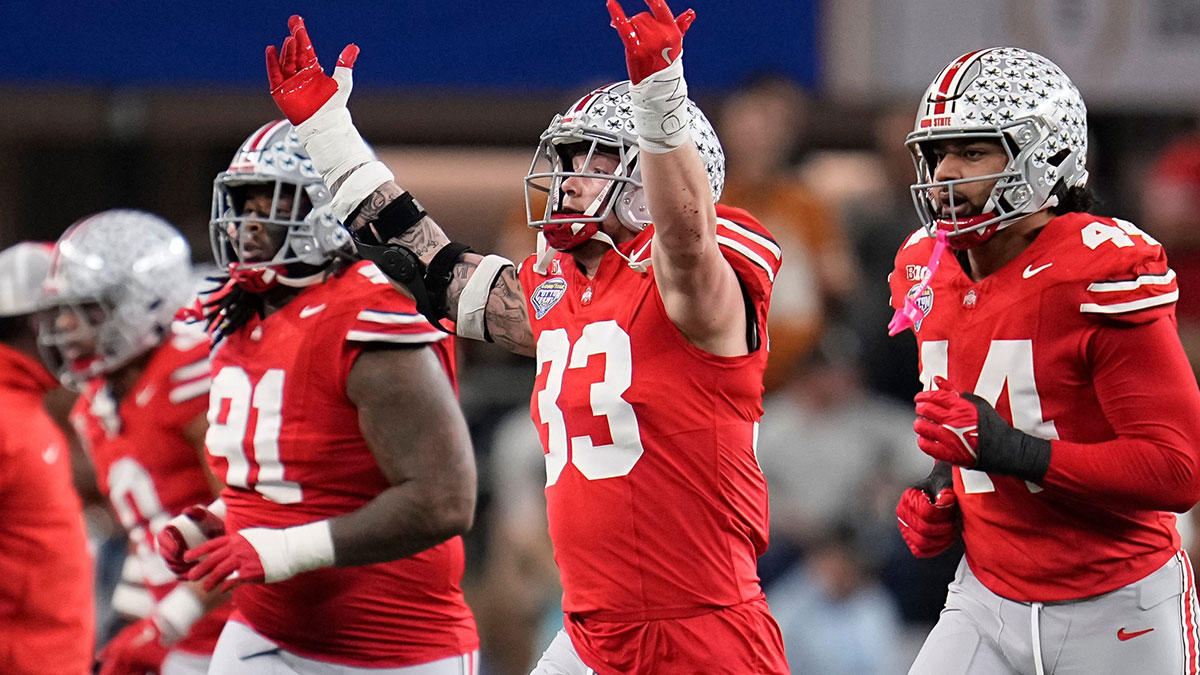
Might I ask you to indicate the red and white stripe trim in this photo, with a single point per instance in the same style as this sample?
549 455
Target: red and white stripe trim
950 78
755 247
1189 608
397 338
390 318
1131 306
1134 284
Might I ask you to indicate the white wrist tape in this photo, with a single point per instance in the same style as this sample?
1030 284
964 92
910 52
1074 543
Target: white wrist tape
336 147
176 613
217 508
192 535
661 117
290 551
472 302
357 187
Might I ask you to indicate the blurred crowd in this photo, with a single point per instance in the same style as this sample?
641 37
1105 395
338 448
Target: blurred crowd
836 442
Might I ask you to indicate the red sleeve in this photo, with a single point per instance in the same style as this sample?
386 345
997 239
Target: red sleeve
1149 395
382 316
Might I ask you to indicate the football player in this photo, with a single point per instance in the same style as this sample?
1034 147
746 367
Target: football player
1058 401
650 341
335 426
47 624
117 279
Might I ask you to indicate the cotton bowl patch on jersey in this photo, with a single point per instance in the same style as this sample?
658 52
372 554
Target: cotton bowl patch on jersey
924 302
547 294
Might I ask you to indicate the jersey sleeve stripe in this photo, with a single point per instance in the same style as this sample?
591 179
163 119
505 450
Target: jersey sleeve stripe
390 318
1131 306
1144 280
760 239
189 391
191 371
750 254
400 338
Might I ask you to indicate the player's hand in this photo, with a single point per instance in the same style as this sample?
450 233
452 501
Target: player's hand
965 430
927 513
136 650
228 561
947 425
653 40
299 85
186 531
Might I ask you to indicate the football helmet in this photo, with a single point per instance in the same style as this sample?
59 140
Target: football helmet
311 237
23 270
1027 104
116 280
602 121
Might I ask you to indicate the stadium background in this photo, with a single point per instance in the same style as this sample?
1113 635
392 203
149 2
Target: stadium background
139 104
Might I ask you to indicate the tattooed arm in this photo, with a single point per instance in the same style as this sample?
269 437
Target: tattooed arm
506 314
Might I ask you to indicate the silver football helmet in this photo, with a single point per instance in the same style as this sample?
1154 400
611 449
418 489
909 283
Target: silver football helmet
602 121
311 237
116 280
1027 104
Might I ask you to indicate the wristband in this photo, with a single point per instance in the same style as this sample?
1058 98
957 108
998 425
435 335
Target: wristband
661 116
293 550
176 613
472 302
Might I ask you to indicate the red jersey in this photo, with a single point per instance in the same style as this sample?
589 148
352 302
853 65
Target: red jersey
47 615
656 503
1036 339
146 467
285 436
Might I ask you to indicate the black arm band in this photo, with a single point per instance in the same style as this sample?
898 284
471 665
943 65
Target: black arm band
441 271
398 217
1007 451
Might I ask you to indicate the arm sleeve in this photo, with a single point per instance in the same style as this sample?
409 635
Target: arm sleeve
1149 396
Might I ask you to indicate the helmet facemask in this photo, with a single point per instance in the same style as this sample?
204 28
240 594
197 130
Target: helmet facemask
553 164
966 231
82 338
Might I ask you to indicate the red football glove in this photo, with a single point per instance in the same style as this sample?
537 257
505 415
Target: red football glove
652 41
229 560
965 430
298 83
929 528
136 650
947 425
189 529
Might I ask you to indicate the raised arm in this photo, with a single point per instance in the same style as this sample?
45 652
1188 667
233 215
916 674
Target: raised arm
699 288
389 227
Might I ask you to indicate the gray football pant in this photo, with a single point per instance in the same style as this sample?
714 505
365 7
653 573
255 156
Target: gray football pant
1145 628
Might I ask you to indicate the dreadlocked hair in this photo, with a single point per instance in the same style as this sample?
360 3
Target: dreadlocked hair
1075 199
231 307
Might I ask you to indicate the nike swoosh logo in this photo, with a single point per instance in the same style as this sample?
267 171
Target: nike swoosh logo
1030 270
143 397
666 53
310 310
1123 636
